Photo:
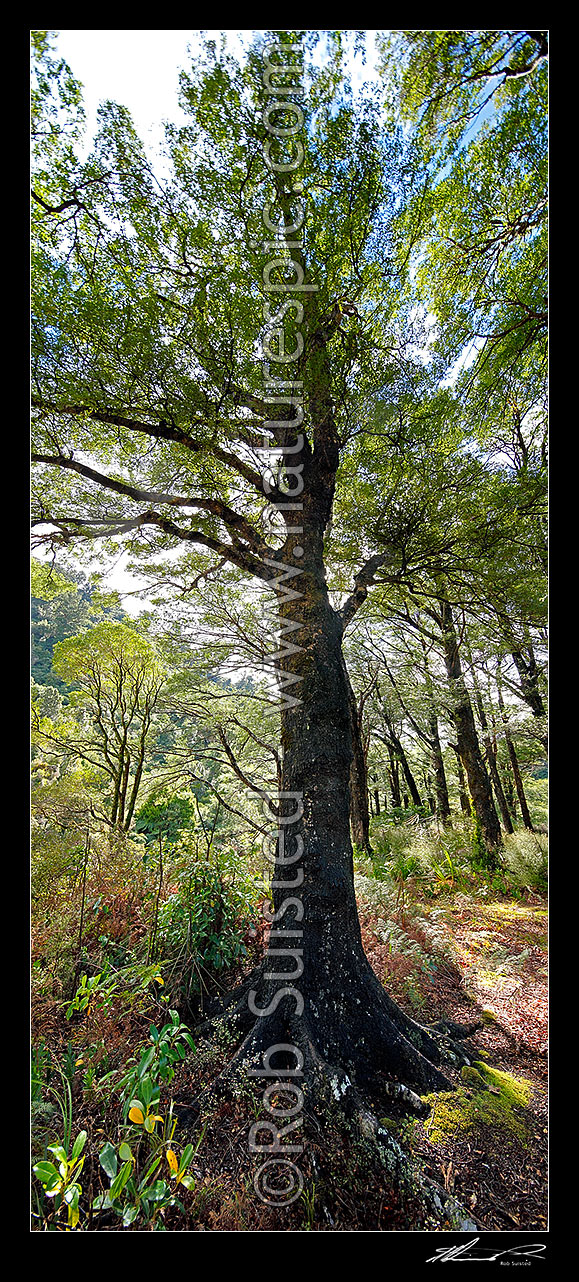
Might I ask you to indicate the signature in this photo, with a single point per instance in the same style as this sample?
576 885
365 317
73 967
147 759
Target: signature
533 1249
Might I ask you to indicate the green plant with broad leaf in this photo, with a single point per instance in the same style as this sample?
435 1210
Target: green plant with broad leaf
140 1086
144 1194
61 1183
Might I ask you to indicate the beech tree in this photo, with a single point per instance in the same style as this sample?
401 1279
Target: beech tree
220 370
117 678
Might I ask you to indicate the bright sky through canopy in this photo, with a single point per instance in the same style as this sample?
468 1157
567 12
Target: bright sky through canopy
139 69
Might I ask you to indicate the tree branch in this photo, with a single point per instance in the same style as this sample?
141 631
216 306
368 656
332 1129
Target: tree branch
161 431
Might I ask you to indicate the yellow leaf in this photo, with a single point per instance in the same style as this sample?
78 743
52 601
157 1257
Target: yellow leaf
78 1061
158 979
172 1160
135 1115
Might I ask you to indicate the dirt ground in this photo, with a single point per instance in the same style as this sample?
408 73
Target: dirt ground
494 966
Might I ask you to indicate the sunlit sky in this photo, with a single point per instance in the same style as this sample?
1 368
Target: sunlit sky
139 69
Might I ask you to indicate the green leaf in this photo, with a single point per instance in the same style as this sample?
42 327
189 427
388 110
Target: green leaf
146 1061
59 1152
158 1191
125 1153
186 1156
78 1146
46 1173
108 1160
124 1174
150 1169
103 1202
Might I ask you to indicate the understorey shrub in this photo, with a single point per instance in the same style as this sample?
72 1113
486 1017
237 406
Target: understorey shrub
526 860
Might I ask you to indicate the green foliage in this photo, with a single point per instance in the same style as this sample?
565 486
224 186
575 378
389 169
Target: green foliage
202 921
130 985
139 1087
46 583
478 107
142 1195
526 860
137 1189
164 819
61 1181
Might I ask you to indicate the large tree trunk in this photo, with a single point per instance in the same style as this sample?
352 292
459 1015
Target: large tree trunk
315 995
316 990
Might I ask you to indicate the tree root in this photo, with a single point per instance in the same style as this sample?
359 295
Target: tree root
363 1031
345 1085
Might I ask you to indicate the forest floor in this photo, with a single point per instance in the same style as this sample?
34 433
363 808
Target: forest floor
475 958
491 962
464 955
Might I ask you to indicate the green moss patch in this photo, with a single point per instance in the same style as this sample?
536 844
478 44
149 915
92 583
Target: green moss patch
471 1076
499 1105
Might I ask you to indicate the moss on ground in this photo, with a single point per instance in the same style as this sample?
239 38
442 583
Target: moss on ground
499 1103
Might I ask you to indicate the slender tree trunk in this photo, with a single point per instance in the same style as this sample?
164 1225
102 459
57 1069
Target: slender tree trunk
139 767
505 775
489 754
376 801
124 783
463 795
359 811
401 757
467 738
442 799
514 762
510 794
528 671
394 779
441 786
